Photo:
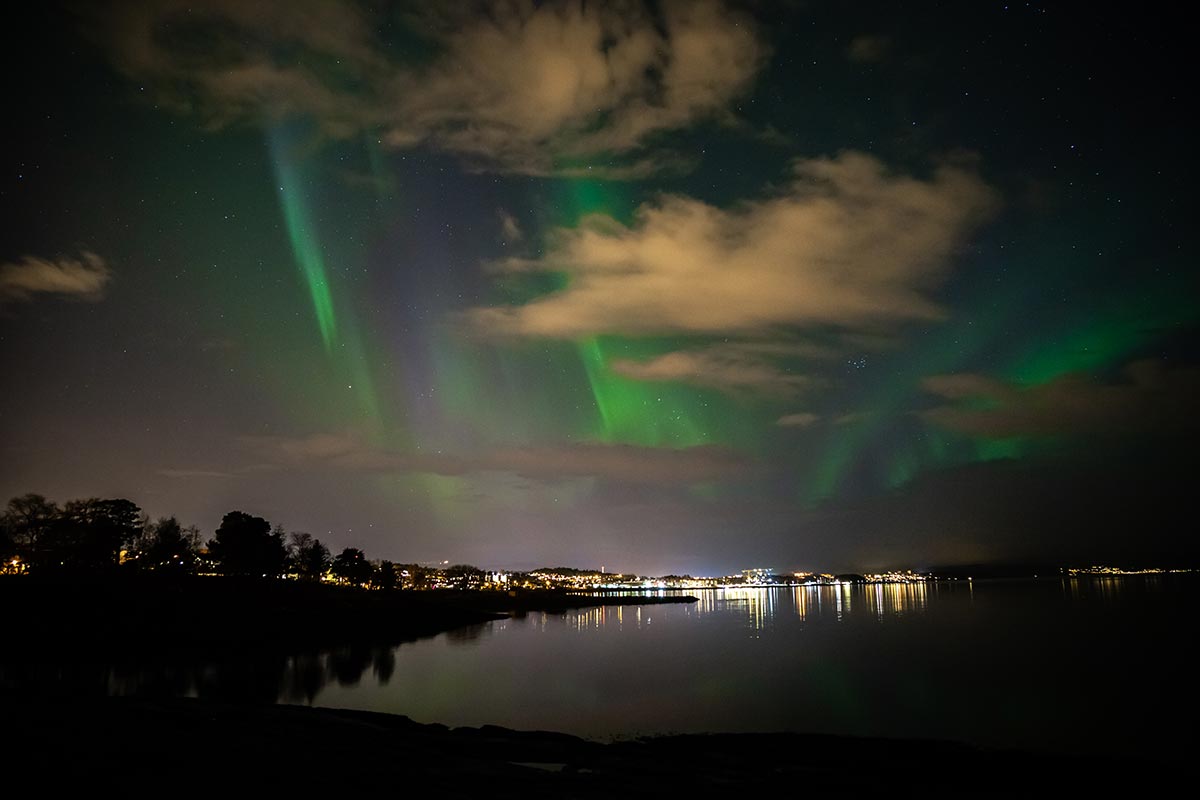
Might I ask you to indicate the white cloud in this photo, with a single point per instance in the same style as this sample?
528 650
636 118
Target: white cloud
524 87
736 368
848 245
84 278
530 86
510 229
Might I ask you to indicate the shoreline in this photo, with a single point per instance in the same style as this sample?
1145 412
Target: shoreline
133 614
105 740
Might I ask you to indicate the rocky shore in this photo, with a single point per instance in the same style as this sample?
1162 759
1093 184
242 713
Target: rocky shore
182 746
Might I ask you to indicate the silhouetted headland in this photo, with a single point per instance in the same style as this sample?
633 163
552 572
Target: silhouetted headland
155 612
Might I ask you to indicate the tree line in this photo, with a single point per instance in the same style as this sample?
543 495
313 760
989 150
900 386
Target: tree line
39 536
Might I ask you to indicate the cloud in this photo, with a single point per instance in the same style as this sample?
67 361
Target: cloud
802 419
576 80
869 49
847 245
1149 398
735 368
510 229
621 463
82 279
228 61
523 87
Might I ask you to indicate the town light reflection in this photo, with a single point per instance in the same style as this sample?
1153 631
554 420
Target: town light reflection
762 606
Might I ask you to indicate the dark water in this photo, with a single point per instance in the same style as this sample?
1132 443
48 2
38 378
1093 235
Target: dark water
1086 665
1091 665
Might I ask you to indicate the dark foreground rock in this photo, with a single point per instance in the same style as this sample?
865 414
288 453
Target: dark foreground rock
168 747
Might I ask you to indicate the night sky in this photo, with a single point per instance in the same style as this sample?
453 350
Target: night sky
667 287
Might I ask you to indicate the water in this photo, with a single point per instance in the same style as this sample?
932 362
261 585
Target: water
1092 665
1085 665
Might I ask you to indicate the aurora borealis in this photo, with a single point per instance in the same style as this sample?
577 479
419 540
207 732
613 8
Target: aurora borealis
668 287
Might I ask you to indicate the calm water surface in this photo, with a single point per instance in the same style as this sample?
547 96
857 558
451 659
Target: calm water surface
1088 665
1092 664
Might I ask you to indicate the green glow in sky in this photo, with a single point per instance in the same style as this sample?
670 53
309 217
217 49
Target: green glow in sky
342 340
1104 337
894 393
655 414
641 412
303 237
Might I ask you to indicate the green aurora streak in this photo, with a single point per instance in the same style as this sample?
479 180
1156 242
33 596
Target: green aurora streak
655 414
342 343
302 235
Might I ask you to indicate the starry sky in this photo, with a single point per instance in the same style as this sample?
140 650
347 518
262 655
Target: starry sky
663 287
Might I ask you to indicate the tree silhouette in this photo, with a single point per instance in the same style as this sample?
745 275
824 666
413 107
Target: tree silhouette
168 546
385 577
28 520
107 527
308 556
246 545
351 566
89 534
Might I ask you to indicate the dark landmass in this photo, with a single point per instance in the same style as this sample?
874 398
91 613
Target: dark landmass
146 612
138 744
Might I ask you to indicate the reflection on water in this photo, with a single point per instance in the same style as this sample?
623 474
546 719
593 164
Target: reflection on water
1109 589
1003 663
301 677
1000 663
266 676
761 605
252 677
812 603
